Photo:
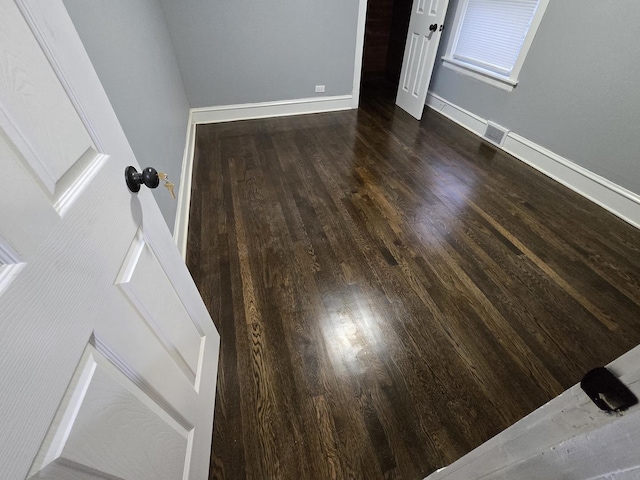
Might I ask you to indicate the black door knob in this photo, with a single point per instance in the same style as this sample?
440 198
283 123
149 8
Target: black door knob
433 27
149 177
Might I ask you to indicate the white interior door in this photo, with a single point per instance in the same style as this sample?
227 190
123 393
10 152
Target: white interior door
423 38
568 438
108 356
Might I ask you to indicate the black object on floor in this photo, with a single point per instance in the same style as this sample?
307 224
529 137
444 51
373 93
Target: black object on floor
606 391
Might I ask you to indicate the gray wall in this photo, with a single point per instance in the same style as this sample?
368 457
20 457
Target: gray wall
129 45
244 51
579 90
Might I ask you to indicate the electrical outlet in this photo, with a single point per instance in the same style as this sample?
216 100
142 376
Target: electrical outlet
319 88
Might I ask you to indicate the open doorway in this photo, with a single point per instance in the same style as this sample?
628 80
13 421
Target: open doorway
384 40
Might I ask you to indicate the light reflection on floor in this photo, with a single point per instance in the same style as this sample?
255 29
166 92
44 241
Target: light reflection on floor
352 333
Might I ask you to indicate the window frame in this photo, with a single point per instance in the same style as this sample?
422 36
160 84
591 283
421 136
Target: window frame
505 82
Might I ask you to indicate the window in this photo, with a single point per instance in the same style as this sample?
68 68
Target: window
491 38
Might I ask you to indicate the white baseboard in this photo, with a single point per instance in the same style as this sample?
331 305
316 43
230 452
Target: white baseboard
610 196
465 118
181 227
247 111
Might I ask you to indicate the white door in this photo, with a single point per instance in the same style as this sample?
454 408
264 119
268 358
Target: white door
423 38
108 357
568 438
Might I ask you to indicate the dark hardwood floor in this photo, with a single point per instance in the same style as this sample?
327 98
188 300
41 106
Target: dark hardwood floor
392 293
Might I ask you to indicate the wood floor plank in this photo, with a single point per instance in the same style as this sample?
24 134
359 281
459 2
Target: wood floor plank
392 293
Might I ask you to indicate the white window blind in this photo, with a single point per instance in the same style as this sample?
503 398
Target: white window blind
492 33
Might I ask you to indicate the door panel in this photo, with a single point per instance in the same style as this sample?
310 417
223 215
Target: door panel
108 357
23 199
9 264
31 95
108 426
420 54
160 307
406 79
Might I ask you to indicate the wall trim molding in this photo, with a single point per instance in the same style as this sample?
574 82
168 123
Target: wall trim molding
247 111
181 226
616 199
357 65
